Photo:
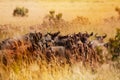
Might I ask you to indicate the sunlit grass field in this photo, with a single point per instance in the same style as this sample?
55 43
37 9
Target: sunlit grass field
43 71
96 11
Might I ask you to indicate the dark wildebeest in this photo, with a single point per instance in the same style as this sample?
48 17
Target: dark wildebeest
54 35
32 39
61 40
10 44
84 36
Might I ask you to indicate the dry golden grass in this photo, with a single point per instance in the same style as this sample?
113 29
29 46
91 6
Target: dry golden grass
95 11
40 70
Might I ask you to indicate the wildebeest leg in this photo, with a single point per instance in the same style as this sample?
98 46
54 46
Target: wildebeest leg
68 57
94 57
4 60
91 58
48 56
85 51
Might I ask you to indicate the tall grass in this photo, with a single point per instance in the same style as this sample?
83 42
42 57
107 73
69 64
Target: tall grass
40 70
26 67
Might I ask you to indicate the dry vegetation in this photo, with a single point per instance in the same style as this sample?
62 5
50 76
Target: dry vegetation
23 65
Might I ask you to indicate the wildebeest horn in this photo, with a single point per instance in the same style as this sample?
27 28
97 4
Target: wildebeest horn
104 36
96 35
91 34
57 33
49 33
86 32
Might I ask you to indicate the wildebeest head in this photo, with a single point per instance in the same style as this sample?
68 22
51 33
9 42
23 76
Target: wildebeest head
99 41
3 44
39 35
10 44
47 37
70 43
35 37
100 38
53 35
84 36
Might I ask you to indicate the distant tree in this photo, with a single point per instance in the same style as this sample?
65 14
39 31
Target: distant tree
54 16
117 9
51 14
53 19
59 16
20 11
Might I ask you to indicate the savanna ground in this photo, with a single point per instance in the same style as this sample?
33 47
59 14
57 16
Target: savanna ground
100 15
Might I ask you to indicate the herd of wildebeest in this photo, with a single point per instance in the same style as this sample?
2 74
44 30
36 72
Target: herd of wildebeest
70 48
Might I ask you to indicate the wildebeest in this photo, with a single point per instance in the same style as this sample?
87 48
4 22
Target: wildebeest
55 46
10 44
100 46
56 53
54 35
84 36
99 41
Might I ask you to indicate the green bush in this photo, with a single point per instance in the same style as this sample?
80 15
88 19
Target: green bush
99 51
114 45
117 9
52 12
59 16
54 16
20 11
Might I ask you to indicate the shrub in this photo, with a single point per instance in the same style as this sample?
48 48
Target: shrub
54 16
20 11
114 45
59 16
117 9
52 12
